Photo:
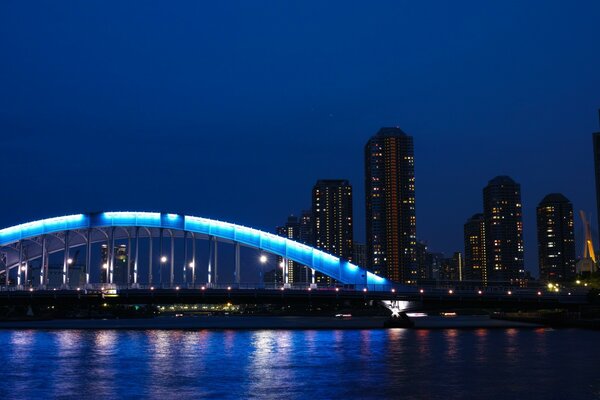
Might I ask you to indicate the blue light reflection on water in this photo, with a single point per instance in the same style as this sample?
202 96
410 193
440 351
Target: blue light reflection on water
410 364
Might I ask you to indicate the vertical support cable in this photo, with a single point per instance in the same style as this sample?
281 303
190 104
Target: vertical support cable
65 278
172 271
193 260
137 255
88 256
19 272
185 257
210 252
237 263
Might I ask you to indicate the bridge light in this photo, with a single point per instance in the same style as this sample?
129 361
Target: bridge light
569 293
479 292
450 291
281 264
163 259
509 292
263 259
31 289
364 289
78 289
23 268
176 287
337 289
151 287
191 265
309 289
421 291
105 266
202 288
70 261
539 293
393 290
578 282
228 287
282 288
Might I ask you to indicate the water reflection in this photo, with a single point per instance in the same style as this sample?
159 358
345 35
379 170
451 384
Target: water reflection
393 363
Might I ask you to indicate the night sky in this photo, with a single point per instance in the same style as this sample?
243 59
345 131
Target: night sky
233 110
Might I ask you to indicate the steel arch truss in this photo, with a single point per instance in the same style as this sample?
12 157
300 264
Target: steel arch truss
93 227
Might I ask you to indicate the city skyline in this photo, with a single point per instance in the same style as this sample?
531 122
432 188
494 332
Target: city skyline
262 116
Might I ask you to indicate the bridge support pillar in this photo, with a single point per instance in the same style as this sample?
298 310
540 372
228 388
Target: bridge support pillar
128 258
19 269
237 263
150 257
210 256
111 252
172 269
185 258
44 265
65 274
193 260
137 257
88 256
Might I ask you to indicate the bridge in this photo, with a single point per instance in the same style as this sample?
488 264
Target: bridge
193 276
38 240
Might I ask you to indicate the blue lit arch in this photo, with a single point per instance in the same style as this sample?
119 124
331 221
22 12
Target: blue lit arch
341 270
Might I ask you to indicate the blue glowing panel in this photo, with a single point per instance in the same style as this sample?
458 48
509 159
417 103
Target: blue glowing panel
36 228
130 218
223 230
197 225
248 236
273 243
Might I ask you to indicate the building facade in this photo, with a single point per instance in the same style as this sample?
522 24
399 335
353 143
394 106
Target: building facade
475 254
502 210
556 238
332 221
390 205
596 148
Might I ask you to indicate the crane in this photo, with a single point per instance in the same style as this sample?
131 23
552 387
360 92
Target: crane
588 248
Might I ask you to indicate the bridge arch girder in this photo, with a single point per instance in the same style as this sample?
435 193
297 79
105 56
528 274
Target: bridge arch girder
341 270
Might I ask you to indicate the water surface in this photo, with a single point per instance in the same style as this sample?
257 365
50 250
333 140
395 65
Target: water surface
324 364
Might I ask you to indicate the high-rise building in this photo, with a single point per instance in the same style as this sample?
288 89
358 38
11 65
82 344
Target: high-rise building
451 268
475 256
596 140
423 267
297 273
306 228
556 238
120 261
332 219
359 254
390 205
503 229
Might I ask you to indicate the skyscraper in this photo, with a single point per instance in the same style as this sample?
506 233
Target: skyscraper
596 140
390 205
503 229
475 256
332 218
556 238
292 230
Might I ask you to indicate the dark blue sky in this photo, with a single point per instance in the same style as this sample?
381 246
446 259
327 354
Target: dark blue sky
233 110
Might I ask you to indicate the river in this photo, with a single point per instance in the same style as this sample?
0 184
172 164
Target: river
300 364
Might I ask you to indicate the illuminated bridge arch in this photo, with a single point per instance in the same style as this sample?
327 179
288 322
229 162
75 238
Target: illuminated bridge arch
39 238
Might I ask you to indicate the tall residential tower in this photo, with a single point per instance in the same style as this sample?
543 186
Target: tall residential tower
332 217
556 238
503 229
390 205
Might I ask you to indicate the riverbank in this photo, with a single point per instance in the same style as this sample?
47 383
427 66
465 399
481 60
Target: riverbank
263 322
